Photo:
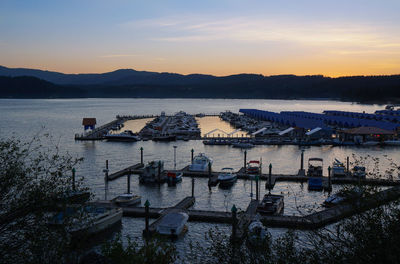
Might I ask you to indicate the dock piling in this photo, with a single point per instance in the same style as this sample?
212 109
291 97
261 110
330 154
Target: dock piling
141 155
146 209
105 180
329 179
159 171
234 222
73 179
244 162
192 187
257 190
192 155
348 165
269 178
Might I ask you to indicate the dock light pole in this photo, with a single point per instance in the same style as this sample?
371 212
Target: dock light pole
175 157
234 222
192 155
73 179
244 162
146 215
329 179
141 155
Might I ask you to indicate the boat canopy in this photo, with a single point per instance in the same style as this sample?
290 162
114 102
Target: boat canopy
227 169
286 131
315 159
259 131
309 133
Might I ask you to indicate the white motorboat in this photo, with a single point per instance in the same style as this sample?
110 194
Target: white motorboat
343 196
370 143
392 142
172 224
96 219
338 169
242 145
127 135
153 173
200 163
128 199
227 177
256 231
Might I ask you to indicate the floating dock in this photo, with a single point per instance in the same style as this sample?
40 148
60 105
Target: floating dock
311 221
213 177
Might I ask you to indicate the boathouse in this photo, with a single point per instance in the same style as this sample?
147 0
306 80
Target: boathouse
362 134
89 123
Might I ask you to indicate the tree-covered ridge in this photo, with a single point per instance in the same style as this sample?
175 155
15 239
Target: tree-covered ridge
381 89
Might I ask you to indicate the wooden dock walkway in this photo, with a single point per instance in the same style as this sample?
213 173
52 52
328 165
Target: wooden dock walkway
311 221
213 180
134 169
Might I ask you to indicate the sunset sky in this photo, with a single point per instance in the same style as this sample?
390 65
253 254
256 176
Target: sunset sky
333 38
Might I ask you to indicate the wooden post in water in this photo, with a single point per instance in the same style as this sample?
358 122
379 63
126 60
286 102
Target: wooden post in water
348 165
302 160
159 171
257 192
192 187
141 155
244 162
73 179
234 222
106 180
329 179
209 176
192 155
129 182
269 178
146 216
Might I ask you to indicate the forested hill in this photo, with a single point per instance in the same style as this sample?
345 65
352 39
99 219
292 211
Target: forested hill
167 85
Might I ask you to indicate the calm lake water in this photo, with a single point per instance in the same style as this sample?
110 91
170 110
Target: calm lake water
61 118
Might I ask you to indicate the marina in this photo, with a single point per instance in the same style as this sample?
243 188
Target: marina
212 206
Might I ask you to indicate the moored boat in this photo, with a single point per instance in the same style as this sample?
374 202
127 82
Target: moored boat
253 167
392 142
359 172
343 196
200 163
338 169
174 177
314 173
172 224
271 204
127 135
153 173
96 220
227 177
128 199
242 145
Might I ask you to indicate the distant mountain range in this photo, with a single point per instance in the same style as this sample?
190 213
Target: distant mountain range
32 83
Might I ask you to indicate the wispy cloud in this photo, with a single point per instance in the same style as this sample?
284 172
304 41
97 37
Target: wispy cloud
118 55
259 30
